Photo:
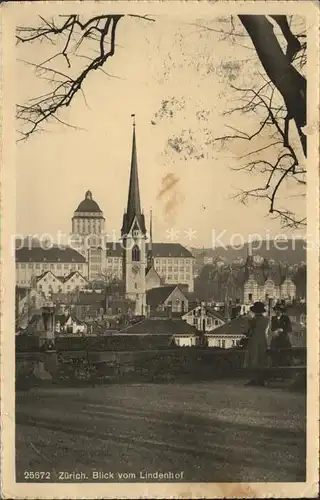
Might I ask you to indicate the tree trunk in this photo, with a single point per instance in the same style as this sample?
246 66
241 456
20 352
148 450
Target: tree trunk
279 69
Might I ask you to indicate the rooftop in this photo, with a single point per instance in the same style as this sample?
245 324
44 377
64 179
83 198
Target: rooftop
88 204
115 249
157 296
54 254
160 327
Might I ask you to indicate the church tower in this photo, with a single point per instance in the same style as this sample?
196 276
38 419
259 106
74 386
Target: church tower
133 234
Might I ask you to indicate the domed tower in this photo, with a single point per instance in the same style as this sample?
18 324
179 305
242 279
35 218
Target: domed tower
88 217
87 235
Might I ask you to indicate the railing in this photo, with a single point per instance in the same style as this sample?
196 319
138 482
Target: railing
187 364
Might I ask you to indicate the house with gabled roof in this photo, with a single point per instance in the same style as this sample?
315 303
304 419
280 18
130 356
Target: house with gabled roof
74 281
48 283
166 299
204 318
35 260
163 332
70 324
229 334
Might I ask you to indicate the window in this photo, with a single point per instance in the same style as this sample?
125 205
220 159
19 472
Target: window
216 322
136 285
23 266
66 266
30 266
209 321
223 344
170 269
51 266
195 321
169 276
187 276
59 266
136 253
37 265
250 296
187 261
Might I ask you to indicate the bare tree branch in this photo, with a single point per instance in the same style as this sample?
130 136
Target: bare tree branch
70 34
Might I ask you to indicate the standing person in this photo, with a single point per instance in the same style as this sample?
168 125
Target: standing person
256 357
280 328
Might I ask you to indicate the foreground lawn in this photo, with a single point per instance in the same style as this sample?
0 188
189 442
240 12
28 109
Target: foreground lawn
216 431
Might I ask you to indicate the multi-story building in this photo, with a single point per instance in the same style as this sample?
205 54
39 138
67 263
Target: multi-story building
88 235
32 262
48 283
130 258
173 262
256 279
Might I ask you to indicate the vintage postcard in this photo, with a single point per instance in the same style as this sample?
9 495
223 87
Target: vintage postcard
159 249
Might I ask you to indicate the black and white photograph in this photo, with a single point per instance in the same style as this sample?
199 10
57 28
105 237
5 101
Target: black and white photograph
160 270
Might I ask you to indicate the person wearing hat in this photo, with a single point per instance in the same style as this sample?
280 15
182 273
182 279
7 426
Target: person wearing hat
280 329
256 357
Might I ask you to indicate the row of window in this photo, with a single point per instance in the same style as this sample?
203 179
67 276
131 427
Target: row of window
53 280
209 321
222 343
171 269
50 287
157 262
38 265
178 277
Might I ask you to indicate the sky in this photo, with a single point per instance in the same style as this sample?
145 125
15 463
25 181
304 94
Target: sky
174 75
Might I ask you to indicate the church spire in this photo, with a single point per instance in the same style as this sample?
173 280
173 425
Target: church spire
134 204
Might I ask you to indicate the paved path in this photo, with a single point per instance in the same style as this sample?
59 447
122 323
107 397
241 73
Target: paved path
217 431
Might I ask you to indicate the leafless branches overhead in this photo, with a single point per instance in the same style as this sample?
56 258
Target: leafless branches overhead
272 170
68 34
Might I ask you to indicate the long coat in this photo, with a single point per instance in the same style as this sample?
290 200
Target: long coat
282 340
256 355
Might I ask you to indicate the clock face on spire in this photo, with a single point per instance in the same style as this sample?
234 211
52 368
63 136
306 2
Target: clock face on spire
136 269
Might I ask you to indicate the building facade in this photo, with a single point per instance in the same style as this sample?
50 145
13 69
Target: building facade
204 318
34 262
88 235
173 262
48 283
97 259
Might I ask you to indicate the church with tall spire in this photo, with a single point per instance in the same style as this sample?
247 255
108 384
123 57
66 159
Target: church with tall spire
133 236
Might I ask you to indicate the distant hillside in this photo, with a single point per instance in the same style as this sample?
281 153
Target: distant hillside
293 251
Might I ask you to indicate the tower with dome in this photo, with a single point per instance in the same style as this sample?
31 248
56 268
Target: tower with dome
88 225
